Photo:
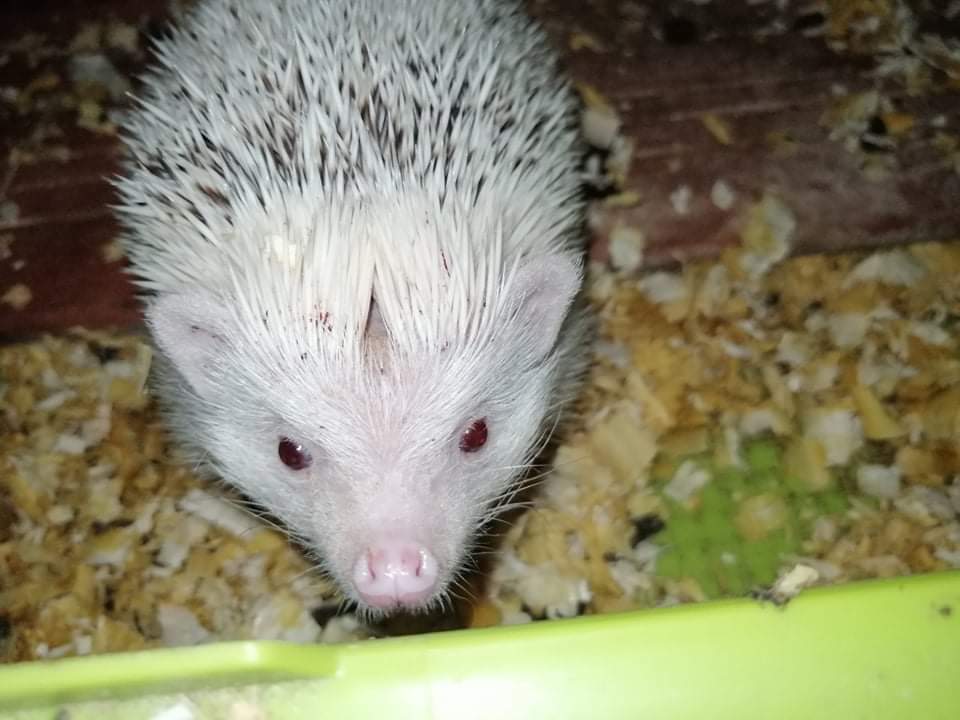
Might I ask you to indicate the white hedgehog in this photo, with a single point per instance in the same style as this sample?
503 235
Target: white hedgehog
359 226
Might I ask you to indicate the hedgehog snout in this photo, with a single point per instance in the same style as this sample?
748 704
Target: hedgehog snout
395 573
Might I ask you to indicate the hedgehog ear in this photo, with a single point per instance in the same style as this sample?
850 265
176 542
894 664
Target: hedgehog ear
188 328
545 288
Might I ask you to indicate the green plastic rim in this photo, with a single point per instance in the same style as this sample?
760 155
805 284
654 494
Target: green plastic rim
879 649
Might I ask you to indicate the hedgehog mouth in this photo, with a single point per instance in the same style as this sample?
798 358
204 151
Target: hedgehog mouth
435 604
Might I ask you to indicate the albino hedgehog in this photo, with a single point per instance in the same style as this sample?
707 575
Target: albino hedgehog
359 229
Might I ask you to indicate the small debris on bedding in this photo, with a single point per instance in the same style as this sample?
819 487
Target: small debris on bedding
17 296
622 199
791 583
626 248
123 36
179 626
722 195
719 128
600 122
767 236
680 200
688 480
582 40
217 512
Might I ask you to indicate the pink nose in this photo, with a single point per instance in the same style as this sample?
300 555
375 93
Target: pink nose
393 574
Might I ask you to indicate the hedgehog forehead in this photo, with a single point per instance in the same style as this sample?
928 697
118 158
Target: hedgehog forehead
440 269
416 404
399 274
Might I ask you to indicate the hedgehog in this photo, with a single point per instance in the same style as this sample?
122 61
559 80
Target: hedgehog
357 230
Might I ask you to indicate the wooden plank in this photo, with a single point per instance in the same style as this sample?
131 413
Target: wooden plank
663 66
748 65
70 282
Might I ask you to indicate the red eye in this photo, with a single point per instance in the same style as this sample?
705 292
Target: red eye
293 455
474 437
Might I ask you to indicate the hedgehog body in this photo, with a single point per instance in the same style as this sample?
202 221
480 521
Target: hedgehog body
358 226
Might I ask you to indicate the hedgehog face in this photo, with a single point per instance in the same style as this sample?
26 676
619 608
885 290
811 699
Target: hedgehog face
418 462
387 468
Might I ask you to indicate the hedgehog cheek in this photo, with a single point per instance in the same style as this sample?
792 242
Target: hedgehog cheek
183 327
544 288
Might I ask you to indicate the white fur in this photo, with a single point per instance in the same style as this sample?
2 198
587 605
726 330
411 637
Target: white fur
304 172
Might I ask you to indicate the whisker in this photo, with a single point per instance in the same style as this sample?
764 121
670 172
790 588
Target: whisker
309 571
256 512
346 607
464 592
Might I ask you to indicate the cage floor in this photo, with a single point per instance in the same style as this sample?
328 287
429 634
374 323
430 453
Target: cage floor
739 433
753 422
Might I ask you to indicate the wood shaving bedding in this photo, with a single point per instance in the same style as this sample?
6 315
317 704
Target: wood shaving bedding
847 364
106 543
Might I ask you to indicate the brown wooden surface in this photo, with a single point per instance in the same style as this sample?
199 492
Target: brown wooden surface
732 60
661 67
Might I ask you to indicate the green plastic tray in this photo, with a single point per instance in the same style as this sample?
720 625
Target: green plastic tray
877 650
